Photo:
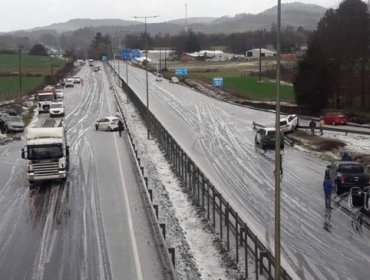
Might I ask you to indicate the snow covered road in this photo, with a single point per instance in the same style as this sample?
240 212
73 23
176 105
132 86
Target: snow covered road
220 139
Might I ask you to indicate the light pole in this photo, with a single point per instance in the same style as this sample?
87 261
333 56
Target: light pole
278 158
20 72
51 65
146 69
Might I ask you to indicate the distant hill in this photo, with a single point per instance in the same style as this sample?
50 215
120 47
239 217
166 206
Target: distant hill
75 24
293 14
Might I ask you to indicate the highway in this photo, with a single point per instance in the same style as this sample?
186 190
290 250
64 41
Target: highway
219 137
95 226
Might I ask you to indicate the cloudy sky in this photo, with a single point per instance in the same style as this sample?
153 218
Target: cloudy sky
25 14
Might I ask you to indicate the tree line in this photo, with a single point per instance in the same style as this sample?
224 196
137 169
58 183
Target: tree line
335 72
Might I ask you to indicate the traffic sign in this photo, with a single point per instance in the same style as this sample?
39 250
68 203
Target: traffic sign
104 58
218 81
130 53
181 72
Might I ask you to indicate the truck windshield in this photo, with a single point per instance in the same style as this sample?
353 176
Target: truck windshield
45 151
45 97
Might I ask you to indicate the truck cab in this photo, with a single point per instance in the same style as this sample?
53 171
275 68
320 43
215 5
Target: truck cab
44 98
47 154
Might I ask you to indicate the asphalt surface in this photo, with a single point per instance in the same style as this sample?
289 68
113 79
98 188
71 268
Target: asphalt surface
95 225
316 243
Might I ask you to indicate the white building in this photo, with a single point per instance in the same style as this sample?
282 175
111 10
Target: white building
255 53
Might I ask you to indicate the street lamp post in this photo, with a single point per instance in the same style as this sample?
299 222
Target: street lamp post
278 158
51 65
20 72
146 68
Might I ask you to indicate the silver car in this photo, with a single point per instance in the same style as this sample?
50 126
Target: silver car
11 123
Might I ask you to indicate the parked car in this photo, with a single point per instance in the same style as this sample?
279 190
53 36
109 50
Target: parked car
159 77
174 80
108 123
334 118
265 138
56 109
289 123
11 123
347 174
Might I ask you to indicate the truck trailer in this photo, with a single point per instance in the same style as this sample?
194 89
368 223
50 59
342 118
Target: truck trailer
47 154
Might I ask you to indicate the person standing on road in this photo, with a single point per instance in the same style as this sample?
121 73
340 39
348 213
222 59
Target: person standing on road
120 127
312 126
321 125
328 186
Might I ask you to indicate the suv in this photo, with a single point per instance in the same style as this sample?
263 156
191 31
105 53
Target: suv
265 138
347 174
107 123
289 123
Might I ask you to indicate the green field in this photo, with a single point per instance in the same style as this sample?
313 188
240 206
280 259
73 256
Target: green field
34 69
31 64
244 85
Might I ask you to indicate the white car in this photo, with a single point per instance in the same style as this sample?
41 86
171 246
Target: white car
69 82
56 109
159 77
108 123
289 123
76 80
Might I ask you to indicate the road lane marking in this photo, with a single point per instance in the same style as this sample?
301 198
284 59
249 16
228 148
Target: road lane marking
127 205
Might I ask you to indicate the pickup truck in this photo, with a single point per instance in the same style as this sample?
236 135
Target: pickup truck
347 174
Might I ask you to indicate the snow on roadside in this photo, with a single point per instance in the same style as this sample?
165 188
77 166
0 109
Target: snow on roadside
200 240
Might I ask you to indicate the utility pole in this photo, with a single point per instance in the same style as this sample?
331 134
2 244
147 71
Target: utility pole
278 158
20 72
51 65
146 69
260 59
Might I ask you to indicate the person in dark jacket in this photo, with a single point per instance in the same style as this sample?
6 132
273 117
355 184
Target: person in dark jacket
312 126
346 157
328 186
120 128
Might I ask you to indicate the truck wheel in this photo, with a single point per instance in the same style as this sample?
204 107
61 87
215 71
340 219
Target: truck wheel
32 185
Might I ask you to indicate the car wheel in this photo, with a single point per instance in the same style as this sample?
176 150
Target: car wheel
293 128
109 129
6 130
32 185
96 127
255 140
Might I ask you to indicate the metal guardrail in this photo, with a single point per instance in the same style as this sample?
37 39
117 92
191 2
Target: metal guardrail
160 228
346 131
238 237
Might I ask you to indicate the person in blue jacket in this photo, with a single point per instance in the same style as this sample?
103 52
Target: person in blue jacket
328 186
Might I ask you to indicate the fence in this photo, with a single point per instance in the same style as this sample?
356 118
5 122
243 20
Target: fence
238 239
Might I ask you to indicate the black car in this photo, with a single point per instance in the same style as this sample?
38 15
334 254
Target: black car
347 174
265 138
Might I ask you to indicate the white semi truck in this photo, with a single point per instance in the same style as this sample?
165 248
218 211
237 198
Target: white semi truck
47 154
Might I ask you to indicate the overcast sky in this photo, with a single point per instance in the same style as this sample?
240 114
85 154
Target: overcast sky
26 14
